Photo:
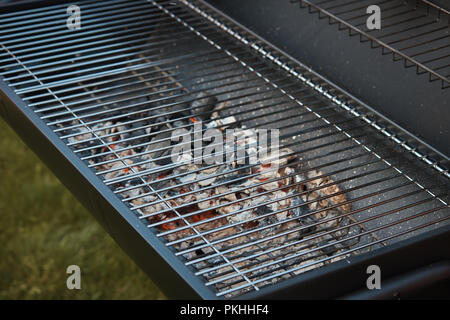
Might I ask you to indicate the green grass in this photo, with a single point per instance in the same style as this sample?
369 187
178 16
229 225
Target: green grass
44 229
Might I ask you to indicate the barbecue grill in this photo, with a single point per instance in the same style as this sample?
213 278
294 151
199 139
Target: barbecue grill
353 186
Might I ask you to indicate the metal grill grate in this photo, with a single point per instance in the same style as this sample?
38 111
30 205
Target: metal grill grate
414 32
116 90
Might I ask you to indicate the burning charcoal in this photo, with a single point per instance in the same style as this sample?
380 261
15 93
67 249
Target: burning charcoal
165 158
203 181
269 221
179 110
298 211
179 123
330 249
229 208
327 191
204 103
223 124
199 252
282 158
117 166
263 210
173 111
161 185
205 204
86 153
240 217
132 193
163 143
230 178
220 118
160 123
134 182
222 190
83 134
188 178
213 170
189 167
218 112
243 165
138 132
172 193
214 260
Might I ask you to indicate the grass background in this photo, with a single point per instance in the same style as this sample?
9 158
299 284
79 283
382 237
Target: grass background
44 229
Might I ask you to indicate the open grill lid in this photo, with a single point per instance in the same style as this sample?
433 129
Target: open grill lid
110 96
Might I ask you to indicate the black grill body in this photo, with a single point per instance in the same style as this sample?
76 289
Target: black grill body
388 150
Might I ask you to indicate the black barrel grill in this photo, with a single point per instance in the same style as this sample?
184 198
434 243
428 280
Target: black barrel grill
99 105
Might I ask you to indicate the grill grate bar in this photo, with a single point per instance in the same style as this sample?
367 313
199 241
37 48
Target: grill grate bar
95 113
60 52
386 17
165 69
98 33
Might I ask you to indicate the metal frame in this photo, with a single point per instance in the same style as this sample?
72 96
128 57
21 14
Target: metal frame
141 240
398 54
